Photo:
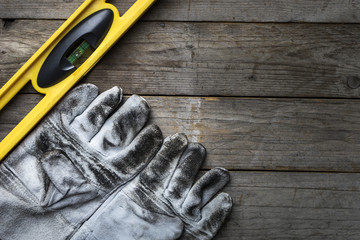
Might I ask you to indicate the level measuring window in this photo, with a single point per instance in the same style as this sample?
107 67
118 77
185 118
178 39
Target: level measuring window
80 53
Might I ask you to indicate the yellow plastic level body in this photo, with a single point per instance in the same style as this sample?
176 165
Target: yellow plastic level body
53 94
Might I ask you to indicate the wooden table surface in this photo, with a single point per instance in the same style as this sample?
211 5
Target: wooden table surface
271 89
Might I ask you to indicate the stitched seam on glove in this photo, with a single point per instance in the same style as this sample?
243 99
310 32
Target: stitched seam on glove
81 232
150 197
86 152
25 190
89 152
195 235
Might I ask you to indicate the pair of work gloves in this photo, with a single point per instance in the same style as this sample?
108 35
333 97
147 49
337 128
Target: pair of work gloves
94 170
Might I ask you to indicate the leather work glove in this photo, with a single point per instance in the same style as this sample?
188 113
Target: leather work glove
76 176
70 164
163 202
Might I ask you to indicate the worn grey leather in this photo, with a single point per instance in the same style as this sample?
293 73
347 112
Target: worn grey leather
93 170
163 202
69 165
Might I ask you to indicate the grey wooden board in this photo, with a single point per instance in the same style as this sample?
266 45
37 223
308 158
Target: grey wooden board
218 59
275 205
288 156
203 10
250 133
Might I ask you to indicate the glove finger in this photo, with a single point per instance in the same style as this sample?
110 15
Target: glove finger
185 174
138 154
121 128
87 124
159 171
213 216
202 191
74 103
62 172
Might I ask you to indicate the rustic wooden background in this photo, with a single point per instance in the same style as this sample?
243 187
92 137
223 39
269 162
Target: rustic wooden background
271 88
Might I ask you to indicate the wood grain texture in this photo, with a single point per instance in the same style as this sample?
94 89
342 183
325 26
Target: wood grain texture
218 59
250 133
274 101
203 10
273 205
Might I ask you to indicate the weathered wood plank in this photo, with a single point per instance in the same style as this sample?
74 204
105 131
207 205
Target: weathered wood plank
273 205
202 10
248 133
5 128
301 60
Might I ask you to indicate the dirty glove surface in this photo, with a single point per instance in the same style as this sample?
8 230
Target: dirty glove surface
91 170
163 202
70 164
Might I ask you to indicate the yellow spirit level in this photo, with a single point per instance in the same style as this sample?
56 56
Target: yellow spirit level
66 57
